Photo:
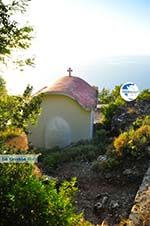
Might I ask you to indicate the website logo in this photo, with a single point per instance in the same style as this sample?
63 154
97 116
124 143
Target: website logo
129 91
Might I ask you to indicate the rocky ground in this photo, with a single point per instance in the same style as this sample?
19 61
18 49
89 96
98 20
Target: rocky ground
126 115
108 195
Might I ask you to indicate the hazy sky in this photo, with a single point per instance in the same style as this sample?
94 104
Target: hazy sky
106 42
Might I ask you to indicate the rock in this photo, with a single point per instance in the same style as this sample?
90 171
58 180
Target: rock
100 196
127 114
120 120
98 206
104 199
133 175
127 172
140 212
114 204
108 175
102 158
101 205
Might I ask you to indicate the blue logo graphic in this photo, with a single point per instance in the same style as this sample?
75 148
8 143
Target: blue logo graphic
129 91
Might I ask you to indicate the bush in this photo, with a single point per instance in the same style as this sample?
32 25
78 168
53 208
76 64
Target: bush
10 133
26 200
111 109
113 101
140 139
143 120
52 158
107 164
101 137
133 141
144 95
120 143
105 96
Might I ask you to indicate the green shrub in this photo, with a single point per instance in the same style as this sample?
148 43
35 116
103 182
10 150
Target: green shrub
99 166
139 140
144 95
101 137
105 96
81 152
108 164
113 102
111 109
25 200
143 120
133 141
52 158
50 161
10 132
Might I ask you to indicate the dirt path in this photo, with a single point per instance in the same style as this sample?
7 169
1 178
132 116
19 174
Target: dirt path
103 196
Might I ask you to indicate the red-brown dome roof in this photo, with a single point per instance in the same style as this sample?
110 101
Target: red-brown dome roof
76 88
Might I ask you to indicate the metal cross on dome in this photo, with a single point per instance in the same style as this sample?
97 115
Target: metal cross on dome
69 70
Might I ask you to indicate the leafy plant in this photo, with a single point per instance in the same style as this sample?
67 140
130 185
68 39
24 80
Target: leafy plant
120 143
144 120
26 200
109 111
54 157
112 107
132 141
144 95
13 35
17 112
3 90
105 96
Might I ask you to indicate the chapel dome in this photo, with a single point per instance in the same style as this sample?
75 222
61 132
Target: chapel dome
76 88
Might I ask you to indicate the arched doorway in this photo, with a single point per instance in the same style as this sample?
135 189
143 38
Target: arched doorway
57 133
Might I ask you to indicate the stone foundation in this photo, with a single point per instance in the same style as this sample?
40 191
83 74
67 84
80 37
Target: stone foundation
140 213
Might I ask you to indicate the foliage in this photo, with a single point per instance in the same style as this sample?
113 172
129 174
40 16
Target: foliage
143 120
105 96
25 200
101 136
110 110
144 95
107 161
101 139
113 106
120 143
18 111
50 159
27 108
107 164
116 92
13 35
140 139
10 132
133 141
3 91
